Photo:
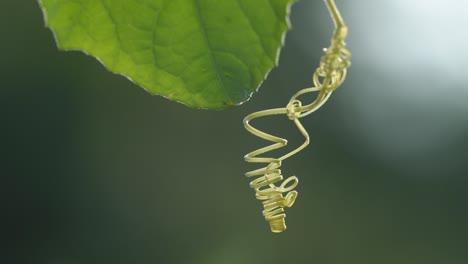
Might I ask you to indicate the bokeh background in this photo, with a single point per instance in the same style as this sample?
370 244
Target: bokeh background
95 170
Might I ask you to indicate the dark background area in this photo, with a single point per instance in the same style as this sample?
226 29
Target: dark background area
95 170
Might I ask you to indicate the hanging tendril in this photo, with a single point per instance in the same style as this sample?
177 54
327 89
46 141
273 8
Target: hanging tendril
330 74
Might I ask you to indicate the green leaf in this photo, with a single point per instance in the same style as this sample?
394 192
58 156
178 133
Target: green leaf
203 53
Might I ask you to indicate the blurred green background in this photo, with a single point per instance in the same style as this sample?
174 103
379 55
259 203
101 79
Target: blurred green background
95 170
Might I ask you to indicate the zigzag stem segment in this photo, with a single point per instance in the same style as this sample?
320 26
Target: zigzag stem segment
328 76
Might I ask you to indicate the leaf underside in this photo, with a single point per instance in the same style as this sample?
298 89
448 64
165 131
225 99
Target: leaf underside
204 53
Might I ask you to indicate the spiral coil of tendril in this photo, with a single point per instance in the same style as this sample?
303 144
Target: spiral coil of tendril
330 74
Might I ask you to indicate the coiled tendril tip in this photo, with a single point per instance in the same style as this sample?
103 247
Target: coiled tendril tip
327 78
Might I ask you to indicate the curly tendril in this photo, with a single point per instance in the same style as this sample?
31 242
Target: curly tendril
330 74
